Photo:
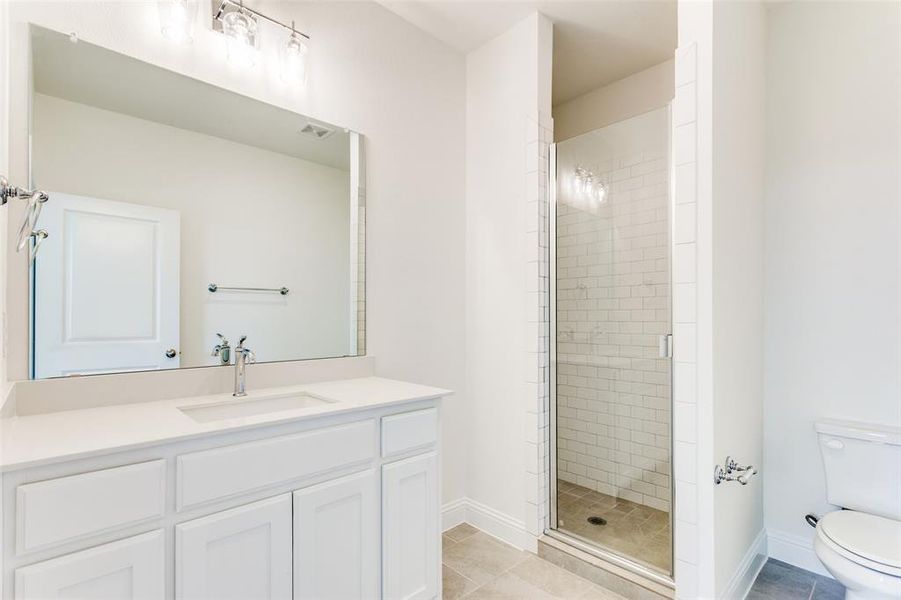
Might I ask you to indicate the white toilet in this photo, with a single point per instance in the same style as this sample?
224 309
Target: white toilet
861 545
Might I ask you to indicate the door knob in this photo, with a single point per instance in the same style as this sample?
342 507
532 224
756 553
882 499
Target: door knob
171 352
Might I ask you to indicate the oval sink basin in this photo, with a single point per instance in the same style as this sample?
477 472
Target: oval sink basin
250 406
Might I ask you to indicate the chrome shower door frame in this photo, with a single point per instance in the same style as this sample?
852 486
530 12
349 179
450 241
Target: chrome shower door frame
551 529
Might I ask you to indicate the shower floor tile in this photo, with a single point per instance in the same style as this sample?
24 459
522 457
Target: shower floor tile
639 532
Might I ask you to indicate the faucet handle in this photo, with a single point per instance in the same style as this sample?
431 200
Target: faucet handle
249 356
222 345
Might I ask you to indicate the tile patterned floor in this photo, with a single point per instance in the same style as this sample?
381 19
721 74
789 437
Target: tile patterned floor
477 566
634 530
781 581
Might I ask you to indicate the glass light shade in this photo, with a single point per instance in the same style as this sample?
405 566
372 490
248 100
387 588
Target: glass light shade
240 32
587 189
177 19
295 54
600 192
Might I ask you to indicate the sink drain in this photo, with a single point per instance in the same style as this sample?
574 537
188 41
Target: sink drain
597 520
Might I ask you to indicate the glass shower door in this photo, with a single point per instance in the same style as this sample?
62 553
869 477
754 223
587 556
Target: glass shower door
611 318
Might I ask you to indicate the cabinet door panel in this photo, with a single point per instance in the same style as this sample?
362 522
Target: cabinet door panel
336 539
130 569
241 554
410 528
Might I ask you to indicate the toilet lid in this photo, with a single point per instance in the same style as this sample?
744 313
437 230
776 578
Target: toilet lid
875 538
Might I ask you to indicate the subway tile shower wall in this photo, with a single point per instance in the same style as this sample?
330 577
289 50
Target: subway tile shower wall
613 301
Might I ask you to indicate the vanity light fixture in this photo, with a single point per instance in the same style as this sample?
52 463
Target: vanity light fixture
177 19
240 25
240 29
588 187
295 53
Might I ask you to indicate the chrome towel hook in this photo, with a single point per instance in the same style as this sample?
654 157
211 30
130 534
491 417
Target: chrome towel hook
8 191
27 231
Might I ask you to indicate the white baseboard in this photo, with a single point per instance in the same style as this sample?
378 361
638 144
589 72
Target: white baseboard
489 520
794 550
747 569
453 514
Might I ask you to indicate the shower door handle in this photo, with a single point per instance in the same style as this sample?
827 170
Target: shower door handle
665 345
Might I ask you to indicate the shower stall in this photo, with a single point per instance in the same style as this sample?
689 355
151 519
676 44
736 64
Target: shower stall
611 391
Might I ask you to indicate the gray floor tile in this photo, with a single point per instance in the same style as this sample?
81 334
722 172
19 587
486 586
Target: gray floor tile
781 581
827 588
479 566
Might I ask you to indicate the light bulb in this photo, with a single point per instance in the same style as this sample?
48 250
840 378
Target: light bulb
294 57
601 192
177 20
240 32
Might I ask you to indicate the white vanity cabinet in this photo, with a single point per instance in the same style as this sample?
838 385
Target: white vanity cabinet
341 506
236 554
129 569
411 539
336 539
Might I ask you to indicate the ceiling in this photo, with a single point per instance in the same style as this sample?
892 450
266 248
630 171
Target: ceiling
595 43
98 77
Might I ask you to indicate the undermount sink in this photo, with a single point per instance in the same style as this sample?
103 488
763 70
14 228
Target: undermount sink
250 406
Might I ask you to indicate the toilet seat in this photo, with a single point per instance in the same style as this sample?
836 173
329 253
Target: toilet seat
868 540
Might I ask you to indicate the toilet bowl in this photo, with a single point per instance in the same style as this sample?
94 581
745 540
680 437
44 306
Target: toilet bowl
862 552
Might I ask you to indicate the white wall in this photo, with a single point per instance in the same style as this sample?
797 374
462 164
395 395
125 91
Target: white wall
255 218
376 74
717 294
508 83
614 402
739 37
631 96
832 234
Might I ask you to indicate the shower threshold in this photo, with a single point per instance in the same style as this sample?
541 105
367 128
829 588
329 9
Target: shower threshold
610 564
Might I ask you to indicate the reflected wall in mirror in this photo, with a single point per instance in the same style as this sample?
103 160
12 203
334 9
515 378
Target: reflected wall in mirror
166 195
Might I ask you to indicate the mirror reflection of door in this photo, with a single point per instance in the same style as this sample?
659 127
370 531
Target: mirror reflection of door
106 288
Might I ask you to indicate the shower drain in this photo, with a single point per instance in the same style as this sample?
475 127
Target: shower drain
597 520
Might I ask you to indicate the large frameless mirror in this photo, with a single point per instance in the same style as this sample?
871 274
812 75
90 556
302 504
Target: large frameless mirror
181 217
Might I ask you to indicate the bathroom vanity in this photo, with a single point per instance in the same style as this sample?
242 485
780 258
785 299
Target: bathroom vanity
324 490
165 231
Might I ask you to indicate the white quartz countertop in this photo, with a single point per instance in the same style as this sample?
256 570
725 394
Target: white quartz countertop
29 441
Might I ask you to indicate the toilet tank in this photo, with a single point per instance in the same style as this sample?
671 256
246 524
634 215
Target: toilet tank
863 466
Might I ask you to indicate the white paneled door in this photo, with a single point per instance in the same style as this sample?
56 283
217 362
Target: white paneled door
410 529
130 569
238 554
106 287
336 539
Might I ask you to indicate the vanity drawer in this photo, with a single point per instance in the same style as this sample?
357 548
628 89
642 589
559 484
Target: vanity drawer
230 470
408 431
64 509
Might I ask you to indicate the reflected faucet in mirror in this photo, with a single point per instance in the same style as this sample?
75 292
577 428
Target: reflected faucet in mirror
243 356
223 350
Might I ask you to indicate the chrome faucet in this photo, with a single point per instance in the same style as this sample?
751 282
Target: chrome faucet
223 351
242 357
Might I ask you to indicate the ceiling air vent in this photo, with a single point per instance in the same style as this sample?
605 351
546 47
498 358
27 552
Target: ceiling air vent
317 131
